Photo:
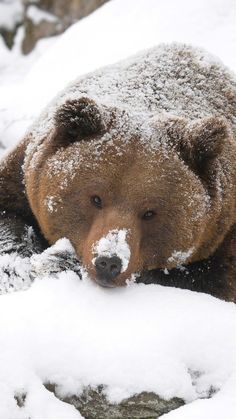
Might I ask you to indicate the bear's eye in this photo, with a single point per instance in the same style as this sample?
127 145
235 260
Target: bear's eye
96 201
148 215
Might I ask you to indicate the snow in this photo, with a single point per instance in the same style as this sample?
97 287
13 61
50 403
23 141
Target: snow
37 16
14 273
51 204
114 244
48 260
18 272
174 342
144 24
180 257
11 12
72 332
15 108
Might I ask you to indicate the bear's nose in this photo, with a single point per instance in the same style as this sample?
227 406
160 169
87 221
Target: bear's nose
108 268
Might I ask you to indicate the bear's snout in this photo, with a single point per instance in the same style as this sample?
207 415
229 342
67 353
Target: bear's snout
107 269
110 255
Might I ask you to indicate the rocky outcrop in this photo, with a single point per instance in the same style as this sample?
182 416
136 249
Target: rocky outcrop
44 18
93 404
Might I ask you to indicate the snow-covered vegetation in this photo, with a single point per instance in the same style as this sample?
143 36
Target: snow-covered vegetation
69 331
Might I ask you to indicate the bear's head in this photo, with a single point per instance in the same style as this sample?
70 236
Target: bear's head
131 195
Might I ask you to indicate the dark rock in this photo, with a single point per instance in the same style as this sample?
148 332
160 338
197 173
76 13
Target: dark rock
93 404
9 35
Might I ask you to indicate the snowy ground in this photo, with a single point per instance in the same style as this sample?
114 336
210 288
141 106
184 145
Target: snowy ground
72 332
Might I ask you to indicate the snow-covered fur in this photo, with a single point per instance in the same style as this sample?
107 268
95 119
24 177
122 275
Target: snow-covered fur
154 136
23 258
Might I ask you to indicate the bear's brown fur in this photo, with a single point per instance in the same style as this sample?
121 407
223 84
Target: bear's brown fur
147 146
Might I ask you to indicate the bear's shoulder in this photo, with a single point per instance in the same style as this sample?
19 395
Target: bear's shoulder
12 188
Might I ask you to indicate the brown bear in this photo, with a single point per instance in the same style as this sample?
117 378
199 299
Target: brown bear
135 164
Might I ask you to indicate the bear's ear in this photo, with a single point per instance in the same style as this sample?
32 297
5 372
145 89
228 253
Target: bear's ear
199 142
79 118
204 139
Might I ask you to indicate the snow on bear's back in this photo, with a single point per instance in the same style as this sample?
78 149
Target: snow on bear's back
174 78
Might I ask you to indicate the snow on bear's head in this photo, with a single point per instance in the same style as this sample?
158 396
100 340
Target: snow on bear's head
130 193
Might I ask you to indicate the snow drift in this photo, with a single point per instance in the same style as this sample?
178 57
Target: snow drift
74 333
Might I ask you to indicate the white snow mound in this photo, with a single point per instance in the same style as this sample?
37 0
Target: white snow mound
74 333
